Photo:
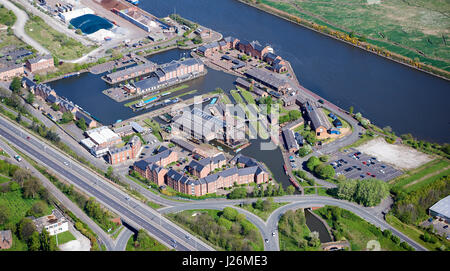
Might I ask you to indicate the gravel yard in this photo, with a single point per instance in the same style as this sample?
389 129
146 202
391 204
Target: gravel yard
397 155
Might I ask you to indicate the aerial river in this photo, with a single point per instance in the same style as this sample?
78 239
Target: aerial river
386 92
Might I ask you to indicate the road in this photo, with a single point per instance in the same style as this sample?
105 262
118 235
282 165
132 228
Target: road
122 239
19 26
133 212
295 202
66 202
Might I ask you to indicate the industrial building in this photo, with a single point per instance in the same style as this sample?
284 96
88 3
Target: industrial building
441 209
40 63
169 74
267 79
130 73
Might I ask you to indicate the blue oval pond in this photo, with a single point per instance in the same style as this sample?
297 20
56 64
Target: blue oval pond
90 23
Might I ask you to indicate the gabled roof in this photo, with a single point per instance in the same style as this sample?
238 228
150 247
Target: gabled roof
142 164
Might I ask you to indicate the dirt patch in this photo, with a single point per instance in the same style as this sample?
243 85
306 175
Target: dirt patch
397 155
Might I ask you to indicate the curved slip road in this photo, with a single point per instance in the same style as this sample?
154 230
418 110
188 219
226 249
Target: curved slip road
271 225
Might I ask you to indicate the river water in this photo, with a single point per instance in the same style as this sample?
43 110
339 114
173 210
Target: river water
386 92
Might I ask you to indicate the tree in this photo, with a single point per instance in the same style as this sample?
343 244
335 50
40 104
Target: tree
38 208
240 217
290 190
67 117
347 190
33 242
350 110
47 243
26 228
19 117
314 240
4 214
371 192
312 162
81 123
258 204
324 171
305 150
230 213
55 107
78 31
267 204
323 158
30 98
15 84
238 193
37 78
21 175
56 61
31 188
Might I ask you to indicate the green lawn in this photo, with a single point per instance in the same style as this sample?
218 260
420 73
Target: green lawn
19 206
149 244
64 237
225 99
403 27
431 167
344 123
263 214
236 96
155 128
4 179
17 245
247 96
57 43
356 230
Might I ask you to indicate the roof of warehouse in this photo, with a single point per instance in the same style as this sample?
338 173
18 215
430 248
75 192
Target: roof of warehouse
442 207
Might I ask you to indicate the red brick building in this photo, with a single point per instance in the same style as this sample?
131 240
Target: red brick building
9 72
253 49
40 63
130 151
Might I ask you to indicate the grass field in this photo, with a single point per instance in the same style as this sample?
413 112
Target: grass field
9 40
263 214
236 96
19 206
411 231
150 244
60 45
422 176
64 237
358 231
247 96
415 28
4 179
225 99
155 128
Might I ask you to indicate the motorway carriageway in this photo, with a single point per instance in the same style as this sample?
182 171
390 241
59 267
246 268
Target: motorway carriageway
115 198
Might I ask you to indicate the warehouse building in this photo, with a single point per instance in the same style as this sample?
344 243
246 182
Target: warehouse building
441 209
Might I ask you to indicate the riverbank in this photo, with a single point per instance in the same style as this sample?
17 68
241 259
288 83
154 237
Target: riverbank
344 37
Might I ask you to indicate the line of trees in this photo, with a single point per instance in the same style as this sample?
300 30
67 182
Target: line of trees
368 192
